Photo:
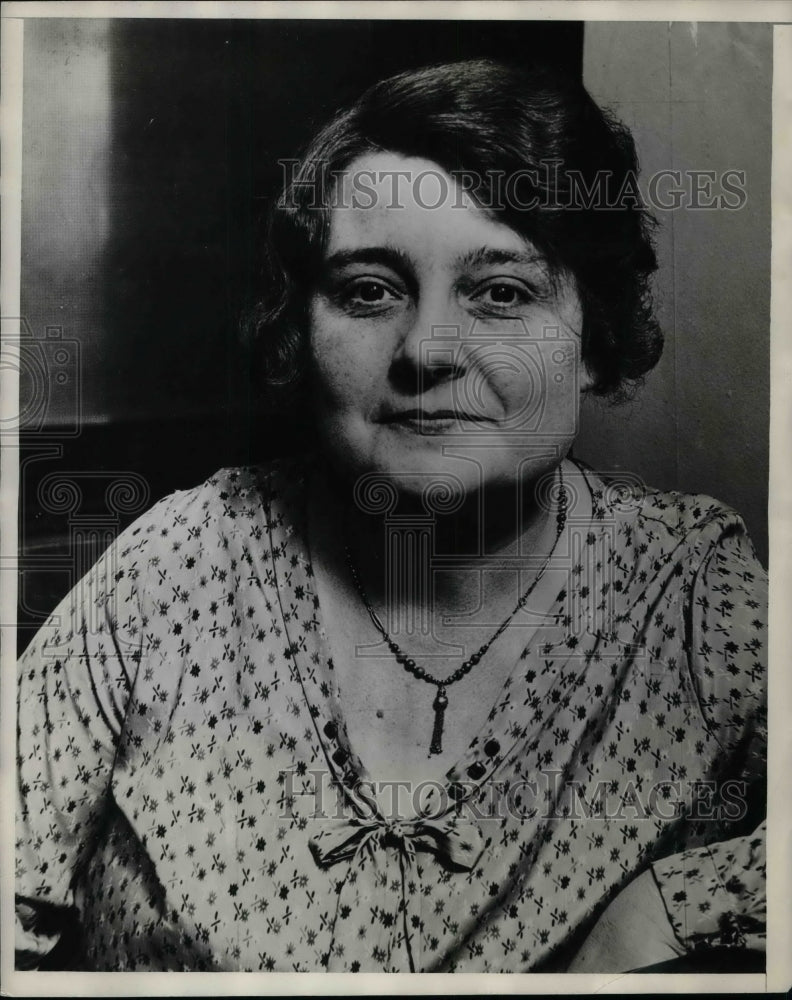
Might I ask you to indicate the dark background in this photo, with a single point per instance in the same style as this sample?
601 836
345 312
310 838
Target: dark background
175 167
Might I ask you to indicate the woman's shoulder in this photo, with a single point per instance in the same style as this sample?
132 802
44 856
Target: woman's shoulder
684 513
658 532
233 500
626 497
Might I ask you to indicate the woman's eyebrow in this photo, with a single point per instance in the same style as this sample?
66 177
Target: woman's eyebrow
494 255
387 256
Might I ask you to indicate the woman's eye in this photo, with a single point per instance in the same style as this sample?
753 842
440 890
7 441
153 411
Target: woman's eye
503 294
368 293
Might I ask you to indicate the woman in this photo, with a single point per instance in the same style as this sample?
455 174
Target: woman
427 697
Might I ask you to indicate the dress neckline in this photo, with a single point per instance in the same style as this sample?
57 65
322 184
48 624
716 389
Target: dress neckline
313 666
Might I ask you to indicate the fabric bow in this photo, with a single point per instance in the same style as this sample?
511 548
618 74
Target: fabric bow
455 842
384 877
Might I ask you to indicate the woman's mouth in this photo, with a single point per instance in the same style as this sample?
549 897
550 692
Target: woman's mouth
420 421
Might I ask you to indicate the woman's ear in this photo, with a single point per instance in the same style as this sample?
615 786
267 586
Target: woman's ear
577 323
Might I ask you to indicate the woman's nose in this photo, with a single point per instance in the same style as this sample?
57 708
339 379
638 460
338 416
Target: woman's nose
429 349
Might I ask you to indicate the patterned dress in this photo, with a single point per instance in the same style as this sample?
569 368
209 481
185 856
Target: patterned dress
188 790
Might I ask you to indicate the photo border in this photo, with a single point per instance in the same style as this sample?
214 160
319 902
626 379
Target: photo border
779 958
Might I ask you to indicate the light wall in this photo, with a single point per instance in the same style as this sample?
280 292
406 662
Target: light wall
66 202
697 97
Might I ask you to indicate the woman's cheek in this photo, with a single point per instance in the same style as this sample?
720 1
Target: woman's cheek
341 365
329 346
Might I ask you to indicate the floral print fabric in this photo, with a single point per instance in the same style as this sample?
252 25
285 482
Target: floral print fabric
187 783
716 895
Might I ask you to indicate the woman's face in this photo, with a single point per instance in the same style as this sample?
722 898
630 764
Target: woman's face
439 342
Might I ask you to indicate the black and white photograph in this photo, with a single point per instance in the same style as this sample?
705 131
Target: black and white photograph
387 467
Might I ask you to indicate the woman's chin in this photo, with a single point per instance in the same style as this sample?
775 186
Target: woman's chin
440 469
408 468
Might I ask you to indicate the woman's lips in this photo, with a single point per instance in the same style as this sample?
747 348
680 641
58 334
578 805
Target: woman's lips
433 421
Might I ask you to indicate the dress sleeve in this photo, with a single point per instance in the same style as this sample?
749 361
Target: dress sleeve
715 894
74 683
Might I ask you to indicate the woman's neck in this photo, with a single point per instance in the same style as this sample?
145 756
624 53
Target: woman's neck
490 530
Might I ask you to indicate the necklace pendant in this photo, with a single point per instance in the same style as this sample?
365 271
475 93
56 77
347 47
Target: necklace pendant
439 706
441 701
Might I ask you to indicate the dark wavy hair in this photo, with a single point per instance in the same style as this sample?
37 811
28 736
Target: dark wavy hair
485 120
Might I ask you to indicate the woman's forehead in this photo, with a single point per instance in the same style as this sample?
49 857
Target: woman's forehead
415 206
